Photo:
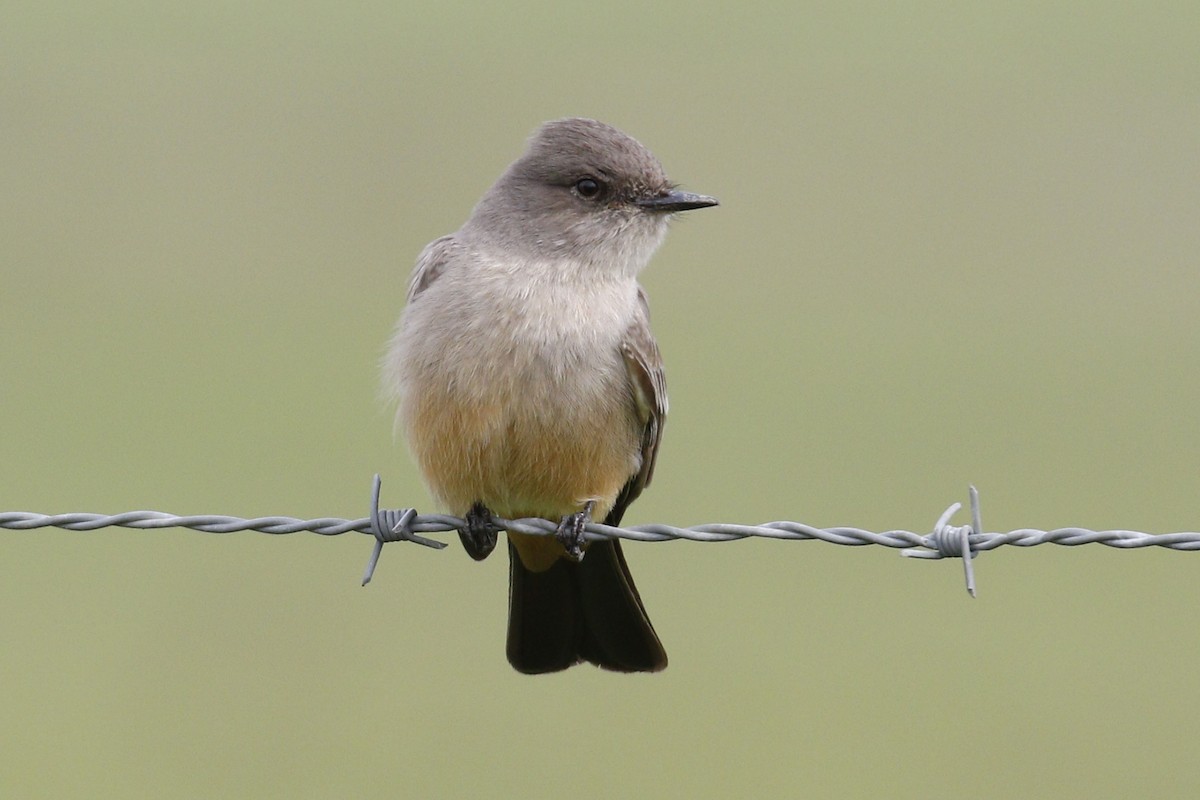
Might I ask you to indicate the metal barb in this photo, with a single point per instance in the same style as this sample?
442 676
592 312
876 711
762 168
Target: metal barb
953 541
391 526
977 525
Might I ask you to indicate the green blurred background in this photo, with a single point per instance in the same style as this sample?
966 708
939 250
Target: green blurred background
957 243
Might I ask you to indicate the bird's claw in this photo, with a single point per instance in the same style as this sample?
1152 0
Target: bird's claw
570 531
479 534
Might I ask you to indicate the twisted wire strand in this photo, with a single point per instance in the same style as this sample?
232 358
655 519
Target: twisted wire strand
965 542
654 532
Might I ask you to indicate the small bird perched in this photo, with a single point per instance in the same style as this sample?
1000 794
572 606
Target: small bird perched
529 384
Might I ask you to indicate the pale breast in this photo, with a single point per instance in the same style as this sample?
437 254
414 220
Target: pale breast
515 393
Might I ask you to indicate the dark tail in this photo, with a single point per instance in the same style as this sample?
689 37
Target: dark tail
585 611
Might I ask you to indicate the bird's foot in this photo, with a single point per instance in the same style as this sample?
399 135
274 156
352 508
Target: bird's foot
570 531
479 534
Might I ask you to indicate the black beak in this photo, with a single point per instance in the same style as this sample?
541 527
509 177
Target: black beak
675 200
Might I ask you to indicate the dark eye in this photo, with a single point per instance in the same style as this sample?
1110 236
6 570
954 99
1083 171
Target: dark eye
588 188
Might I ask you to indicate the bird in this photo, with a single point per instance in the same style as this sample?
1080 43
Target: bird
528 383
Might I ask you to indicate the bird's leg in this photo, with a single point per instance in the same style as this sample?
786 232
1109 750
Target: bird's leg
479 534
570 531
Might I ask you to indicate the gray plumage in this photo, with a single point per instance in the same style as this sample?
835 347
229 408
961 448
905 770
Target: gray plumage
529 382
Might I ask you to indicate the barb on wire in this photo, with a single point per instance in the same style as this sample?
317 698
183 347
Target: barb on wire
391 526
944 541
950 541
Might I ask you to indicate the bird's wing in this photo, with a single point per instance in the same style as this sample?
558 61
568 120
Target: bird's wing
644 362
429 265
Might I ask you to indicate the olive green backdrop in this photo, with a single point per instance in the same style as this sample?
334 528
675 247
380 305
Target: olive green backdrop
957 243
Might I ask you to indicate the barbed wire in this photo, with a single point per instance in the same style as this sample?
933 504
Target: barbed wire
387 525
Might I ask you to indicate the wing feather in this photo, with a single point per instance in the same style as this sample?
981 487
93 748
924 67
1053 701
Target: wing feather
644 362
430 264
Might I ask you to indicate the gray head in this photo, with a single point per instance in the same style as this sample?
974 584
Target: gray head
585 191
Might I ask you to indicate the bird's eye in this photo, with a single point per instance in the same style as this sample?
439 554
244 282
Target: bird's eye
588 188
